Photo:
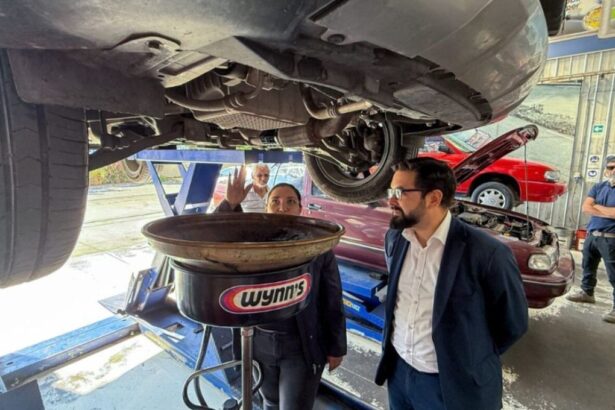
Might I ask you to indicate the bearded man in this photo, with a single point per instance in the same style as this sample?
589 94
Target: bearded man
455 300
600 242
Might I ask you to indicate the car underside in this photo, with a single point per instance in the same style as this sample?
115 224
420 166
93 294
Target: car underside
354 84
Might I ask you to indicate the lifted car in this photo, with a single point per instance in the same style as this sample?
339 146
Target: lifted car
351 83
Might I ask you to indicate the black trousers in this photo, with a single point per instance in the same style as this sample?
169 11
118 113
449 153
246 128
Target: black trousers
289 382
594 249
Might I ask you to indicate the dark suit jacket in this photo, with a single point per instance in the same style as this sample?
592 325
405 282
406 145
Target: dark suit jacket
480 310
322 325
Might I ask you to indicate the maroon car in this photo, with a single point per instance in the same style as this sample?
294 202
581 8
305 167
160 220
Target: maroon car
547 270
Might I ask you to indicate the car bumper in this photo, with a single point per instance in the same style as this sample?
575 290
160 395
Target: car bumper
542 290
542 191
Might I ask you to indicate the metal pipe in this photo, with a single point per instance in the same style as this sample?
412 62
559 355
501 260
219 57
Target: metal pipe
588 135
571 168
229 102
330 111
246 367
312 132
607 125
353 107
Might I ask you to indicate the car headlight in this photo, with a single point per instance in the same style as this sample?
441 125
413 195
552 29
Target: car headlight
552 176
540 261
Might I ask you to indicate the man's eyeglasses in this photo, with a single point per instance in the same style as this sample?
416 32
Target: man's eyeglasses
610 167
398 192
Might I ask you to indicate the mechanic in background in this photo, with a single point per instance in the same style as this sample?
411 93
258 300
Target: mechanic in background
293 352
455 300
256 192
600 242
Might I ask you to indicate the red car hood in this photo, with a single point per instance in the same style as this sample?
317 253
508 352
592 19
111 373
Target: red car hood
494 150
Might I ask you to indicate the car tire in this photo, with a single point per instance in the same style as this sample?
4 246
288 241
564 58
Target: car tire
136 171
555 11
337 184
43 183
495 194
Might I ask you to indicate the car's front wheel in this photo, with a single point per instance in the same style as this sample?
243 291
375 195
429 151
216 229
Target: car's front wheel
494 194
43 184
367 185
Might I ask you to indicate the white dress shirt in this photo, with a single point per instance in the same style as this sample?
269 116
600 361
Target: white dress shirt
254 202
415 298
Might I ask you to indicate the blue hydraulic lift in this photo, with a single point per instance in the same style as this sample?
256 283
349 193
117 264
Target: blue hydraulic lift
148 306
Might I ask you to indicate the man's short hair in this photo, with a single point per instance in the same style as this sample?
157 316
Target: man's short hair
431 174
284 184
258 166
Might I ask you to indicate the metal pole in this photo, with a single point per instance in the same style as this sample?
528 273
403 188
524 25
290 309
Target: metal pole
246 367
588 136
578 133
607 125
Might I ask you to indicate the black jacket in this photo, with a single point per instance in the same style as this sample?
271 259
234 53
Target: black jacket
322 325
479 311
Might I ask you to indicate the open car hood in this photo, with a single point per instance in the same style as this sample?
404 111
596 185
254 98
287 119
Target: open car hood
494 150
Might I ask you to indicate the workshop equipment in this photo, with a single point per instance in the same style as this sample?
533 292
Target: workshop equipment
149 305
241 270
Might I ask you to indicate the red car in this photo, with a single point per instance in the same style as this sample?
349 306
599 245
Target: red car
503 184
547 270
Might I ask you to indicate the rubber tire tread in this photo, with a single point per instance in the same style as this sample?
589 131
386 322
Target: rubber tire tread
555 12
43 183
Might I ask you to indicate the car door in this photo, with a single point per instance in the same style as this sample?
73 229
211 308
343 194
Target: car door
365 224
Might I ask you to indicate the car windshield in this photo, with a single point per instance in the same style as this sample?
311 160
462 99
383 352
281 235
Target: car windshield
468 141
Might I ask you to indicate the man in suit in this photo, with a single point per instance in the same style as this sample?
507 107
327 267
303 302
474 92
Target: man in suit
455 301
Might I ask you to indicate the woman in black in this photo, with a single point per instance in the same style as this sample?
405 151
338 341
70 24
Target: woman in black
293 353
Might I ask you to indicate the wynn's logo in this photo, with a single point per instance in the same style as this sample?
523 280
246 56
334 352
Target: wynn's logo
266 297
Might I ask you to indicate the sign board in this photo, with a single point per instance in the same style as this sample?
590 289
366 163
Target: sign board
598 128
593 175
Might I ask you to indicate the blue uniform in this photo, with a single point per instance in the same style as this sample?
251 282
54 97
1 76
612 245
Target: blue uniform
598 247
604 195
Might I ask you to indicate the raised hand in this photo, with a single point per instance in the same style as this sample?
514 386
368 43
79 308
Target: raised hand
236 191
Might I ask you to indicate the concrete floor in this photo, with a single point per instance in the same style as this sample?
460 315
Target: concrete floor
567 358
566 361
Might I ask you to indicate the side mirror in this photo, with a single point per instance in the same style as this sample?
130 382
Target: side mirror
445 148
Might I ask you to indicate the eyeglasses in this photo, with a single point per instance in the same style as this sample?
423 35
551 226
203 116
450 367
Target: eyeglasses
262 175
398 192
610 167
